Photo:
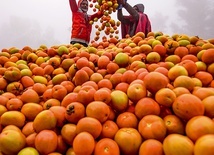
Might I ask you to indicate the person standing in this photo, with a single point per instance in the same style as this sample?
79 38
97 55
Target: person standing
81 27
136 21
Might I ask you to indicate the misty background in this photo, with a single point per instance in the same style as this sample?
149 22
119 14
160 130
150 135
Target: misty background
48 22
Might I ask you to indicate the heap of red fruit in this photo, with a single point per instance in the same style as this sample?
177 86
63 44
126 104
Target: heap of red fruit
141 95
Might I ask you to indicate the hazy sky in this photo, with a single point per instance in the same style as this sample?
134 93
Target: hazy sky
36 22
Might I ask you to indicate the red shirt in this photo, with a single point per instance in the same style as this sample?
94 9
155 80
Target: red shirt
81 29
143 25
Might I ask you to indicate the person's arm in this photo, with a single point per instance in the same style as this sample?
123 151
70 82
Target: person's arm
98 15
73 5
132 11
133 29
121 17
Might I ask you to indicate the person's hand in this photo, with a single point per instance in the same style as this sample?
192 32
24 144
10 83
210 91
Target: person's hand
120 6
122 2
100 13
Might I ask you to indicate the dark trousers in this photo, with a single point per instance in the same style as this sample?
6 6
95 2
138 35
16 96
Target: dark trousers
84 44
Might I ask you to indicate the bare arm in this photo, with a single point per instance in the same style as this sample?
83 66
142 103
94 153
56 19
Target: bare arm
73 5
98 15
121 18
132 29
132 11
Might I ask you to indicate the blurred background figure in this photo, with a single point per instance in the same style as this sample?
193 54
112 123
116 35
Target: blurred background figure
136 21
